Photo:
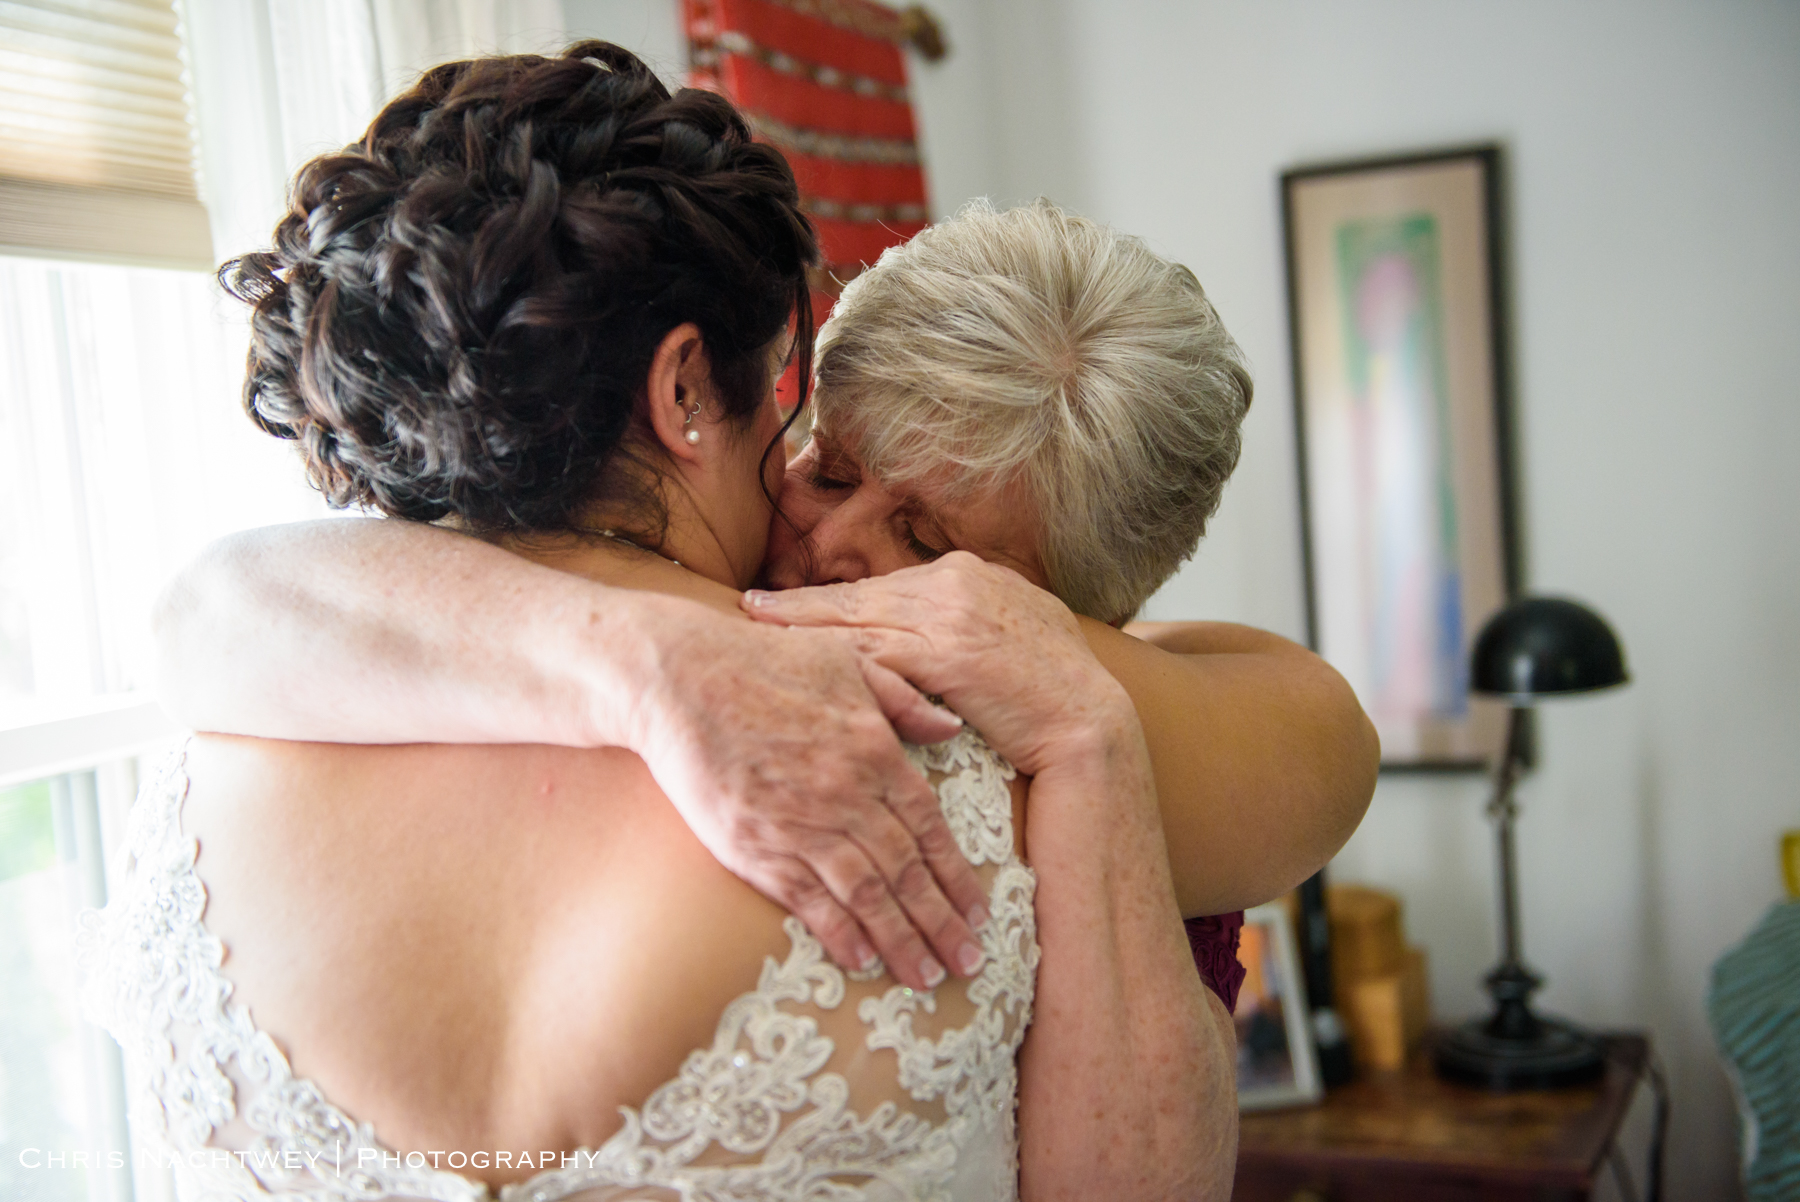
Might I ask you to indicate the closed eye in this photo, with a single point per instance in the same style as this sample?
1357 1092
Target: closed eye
826 471
925 551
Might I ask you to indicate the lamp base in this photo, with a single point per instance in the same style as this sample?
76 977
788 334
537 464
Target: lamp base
1554 1054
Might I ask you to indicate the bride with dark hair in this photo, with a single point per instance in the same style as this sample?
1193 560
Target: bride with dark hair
543 303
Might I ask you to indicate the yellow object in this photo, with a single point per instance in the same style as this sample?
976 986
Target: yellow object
1790 862
1365 932
1385 1015
1377 980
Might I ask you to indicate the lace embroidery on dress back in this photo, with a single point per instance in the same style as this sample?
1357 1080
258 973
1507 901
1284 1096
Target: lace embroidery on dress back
775 1108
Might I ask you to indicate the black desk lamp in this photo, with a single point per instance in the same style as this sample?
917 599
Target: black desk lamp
1535 647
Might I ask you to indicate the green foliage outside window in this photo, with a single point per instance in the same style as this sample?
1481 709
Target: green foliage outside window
27 831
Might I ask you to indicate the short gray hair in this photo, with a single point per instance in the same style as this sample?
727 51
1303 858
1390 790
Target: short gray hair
1033 344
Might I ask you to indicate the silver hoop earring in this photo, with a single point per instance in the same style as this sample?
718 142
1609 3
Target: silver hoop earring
693 435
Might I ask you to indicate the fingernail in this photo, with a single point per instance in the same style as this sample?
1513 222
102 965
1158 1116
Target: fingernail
866 959
932 971
978 916
758 599
969 957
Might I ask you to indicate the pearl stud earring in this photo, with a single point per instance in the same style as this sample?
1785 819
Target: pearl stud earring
693 435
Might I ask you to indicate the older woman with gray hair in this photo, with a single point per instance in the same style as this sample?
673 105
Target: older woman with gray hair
1040 351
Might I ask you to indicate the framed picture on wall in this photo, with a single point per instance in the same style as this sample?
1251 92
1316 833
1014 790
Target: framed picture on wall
1276 1065
1400 389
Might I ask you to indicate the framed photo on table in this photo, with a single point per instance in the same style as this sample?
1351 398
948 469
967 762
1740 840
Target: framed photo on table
1276 1065
1400 390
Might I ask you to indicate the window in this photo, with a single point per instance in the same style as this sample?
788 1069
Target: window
62 1092
123 449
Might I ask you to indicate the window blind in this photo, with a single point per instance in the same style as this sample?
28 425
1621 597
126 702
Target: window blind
97 153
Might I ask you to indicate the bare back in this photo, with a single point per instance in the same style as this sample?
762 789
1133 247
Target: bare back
542 911
499 947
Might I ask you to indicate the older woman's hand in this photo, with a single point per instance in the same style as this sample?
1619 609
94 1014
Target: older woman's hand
1006 655
775 745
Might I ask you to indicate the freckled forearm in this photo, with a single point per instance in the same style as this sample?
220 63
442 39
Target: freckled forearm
1125 1079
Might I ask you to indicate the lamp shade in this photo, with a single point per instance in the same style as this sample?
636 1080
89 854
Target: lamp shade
1541 645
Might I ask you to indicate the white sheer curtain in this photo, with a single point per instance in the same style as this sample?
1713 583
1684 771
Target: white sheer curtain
278 81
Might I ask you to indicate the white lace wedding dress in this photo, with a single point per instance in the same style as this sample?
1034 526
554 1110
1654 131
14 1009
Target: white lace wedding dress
795 1098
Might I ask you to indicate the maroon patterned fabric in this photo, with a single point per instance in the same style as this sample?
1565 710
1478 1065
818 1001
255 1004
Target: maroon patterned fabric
1215 944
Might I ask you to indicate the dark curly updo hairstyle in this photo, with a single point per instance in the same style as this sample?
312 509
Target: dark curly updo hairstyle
461 309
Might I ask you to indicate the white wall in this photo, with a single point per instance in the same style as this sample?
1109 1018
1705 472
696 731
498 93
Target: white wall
651 28
1655 217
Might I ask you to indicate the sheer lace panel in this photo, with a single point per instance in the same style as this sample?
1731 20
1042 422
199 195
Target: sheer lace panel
818 1085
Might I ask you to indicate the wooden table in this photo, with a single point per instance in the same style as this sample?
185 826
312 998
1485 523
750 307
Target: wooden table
1409 1136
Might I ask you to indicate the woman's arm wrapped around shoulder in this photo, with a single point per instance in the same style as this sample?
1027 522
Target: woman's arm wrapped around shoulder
778 747
383 631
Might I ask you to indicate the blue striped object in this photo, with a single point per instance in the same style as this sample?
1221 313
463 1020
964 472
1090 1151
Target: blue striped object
1755 1013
